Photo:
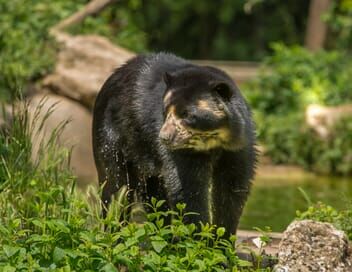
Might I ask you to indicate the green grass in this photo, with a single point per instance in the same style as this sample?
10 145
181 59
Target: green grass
46 225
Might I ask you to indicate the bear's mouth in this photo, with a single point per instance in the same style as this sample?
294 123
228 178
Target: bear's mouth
175 135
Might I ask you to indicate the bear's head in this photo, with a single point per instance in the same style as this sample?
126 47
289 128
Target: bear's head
203 110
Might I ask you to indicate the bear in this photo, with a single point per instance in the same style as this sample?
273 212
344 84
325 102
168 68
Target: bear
173 130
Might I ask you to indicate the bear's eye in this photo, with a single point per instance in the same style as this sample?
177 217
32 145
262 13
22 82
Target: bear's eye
183 113
223 90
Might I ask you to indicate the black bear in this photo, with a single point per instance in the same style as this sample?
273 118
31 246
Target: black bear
177 131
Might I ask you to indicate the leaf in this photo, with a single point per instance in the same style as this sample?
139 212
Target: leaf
119 248
181 206
119 259
243 263
153 201
201 265
160 223
160 203
72 253
4 230
109 267
86 236
131 241
9 268
58 254
10 250
220 232
158 244
164 232
58 225
38 223
139 233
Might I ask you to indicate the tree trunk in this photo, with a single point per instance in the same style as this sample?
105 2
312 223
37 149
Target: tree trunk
92 8
316 28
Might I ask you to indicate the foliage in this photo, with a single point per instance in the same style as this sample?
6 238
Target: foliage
117 23
290 80
294 77
46 225
213 29
210 29
27 51
288 140
325 213
339 20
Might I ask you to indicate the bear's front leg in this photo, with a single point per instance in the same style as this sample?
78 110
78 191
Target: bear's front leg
189 181
232 181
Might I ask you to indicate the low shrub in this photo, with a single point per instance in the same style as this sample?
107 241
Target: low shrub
293 77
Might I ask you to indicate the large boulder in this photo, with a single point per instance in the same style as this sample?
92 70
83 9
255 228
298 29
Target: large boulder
77 134
313 246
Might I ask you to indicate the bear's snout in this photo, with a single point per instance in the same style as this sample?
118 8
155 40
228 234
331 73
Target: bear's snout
173 133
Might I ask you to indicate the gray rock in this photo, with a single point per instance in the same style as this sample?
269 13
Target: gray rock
76 134
313 246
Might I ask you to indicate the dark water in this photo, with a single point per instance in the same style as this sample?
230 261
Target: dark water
275 197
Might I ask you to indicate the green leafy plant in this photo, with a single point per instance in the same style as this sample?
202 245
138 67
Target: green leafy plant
339 20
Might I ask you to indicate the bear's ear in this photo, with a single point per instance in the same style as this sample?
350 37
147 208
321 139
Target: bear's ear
222 89
167 77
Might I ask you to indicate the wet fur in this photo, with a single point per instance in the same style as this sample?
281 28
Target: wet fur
128 116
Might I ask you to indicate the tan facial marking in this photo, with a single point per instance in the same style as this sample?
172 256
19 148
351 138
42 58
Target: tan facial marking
174 129
224 134
169 125
219 113
167 97
188 137
172 110
213 139
204 105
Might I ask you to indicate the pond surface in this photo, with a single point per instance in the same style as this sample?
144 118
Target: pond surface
275 196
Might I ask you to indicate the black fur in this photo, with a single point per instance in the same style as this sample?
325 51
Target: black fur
128 116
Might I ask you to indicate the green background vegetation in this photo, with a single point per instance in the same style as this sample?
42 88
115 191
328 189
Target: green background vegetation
292 78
